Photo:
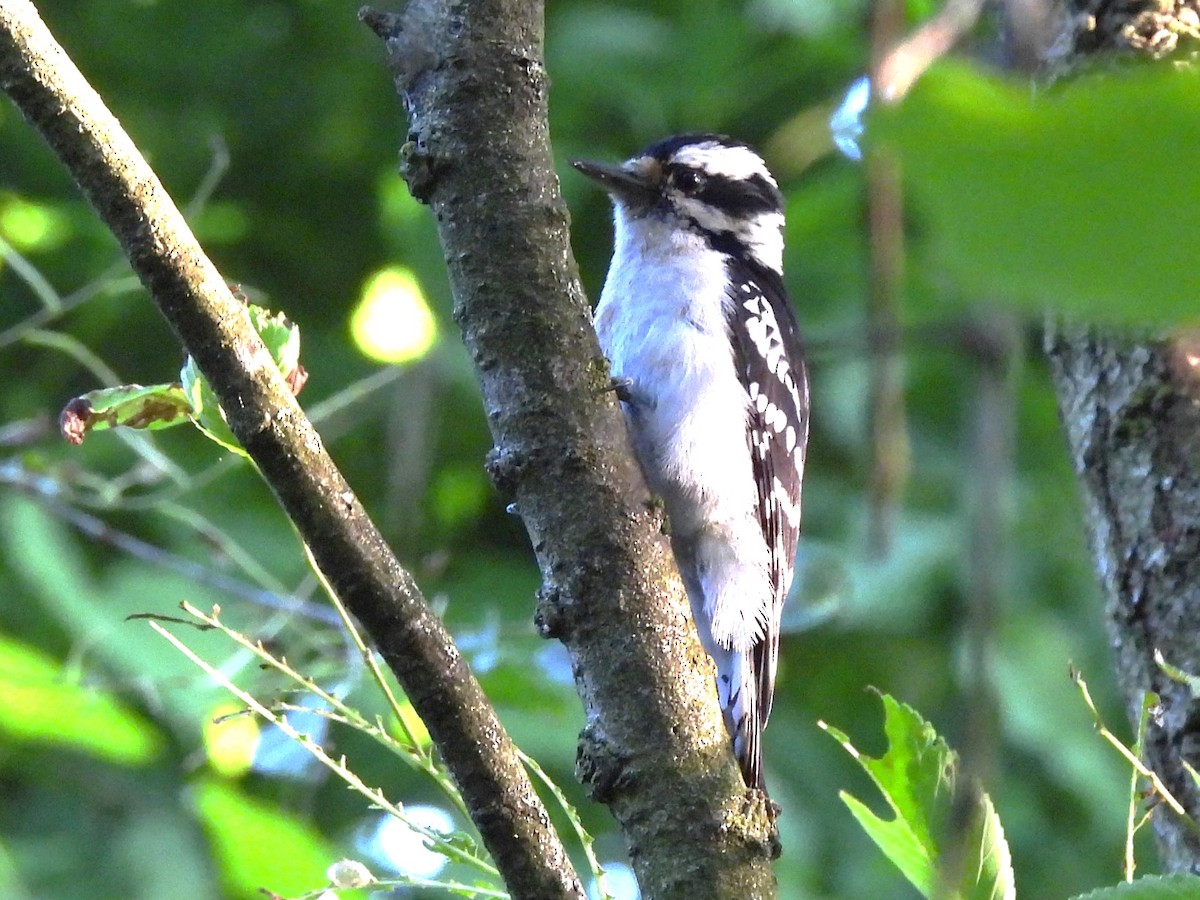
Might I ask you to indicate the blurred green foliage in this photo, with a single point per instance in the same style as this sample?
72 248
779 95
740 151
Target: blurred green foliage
276 124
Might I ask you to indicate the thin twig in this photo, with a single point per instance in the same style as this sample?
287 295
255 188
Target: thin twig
905 62
1138 766
338 767
368 657
45 489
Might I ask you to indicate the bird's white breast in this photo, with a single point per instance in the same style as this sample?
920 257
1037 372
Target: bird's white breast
662 322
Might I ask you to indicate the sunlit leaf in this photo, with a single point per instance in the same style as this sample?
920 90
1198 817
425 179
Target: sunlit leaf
40 705
260 846
191 399
917 777
126 406
282 340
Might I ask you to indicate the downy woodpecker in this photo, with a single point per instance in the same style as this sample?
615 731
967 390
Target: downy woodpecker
707 358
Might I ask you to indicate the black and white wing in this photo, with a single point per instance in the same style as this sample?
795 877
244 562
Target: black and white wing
770 362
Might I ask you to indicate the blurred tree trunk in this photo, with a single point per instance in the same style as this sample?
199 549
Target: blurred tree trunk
1132 419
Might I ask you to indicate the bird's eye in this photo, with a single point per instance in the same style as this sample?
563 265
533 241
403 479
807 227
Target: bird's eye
689 181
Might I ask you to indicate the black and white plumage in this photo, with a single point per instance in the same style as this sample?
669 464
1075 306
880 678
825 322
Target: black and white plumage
697 324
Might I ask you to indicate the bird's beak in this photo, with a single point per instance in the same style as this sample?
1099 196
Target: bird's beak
629 186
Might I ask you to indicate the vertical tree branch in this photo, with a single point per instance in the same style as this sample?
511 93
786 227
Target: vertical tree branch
39 77
655 750
885 227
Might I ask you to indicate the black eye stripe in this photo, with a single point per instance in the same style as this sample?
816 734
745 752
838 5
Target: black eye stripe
741 197
738 197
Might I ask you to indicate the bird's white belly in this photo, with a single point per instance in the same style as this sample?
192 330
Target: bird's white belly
687 410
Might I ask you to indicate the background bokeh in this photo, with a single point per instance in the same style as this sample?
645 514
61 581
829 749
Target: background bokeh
276 123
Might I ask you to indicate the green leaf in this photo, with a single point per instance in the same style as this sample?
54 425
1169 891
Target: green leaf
282 340
127 406
41 706
259 846
1152 887
188 400
917 777
206 409
1070 198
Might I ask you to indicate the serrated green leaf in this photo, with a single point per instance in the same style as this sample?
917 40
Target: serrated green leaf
899 843
1152 887
1040 199
127 406
916 776
994 876
280 335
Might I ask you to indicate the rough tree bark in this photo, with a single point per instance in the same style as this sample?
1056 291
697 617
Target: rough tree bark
473 81
1133 425
1129 408
45 85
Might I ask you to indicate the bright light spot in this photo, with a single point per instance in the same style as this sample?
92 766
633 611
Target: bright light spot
31 226
846 124
392 322
403 850
231 740
619 883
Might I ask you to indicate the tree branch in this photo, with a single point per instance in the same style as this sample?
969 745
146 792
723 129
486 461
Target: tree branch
655 750
39 77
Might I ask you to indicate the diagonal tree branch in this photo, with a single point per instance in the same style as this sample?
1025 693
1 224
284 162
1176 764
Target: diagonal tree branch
473 81
42 81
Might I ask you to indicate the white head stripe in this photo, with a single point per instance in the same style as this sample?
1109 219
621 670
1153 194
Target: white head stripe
721 159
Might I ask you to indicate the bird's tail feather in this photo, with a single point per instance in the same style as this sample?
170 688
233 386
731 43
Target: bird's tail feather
740 697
